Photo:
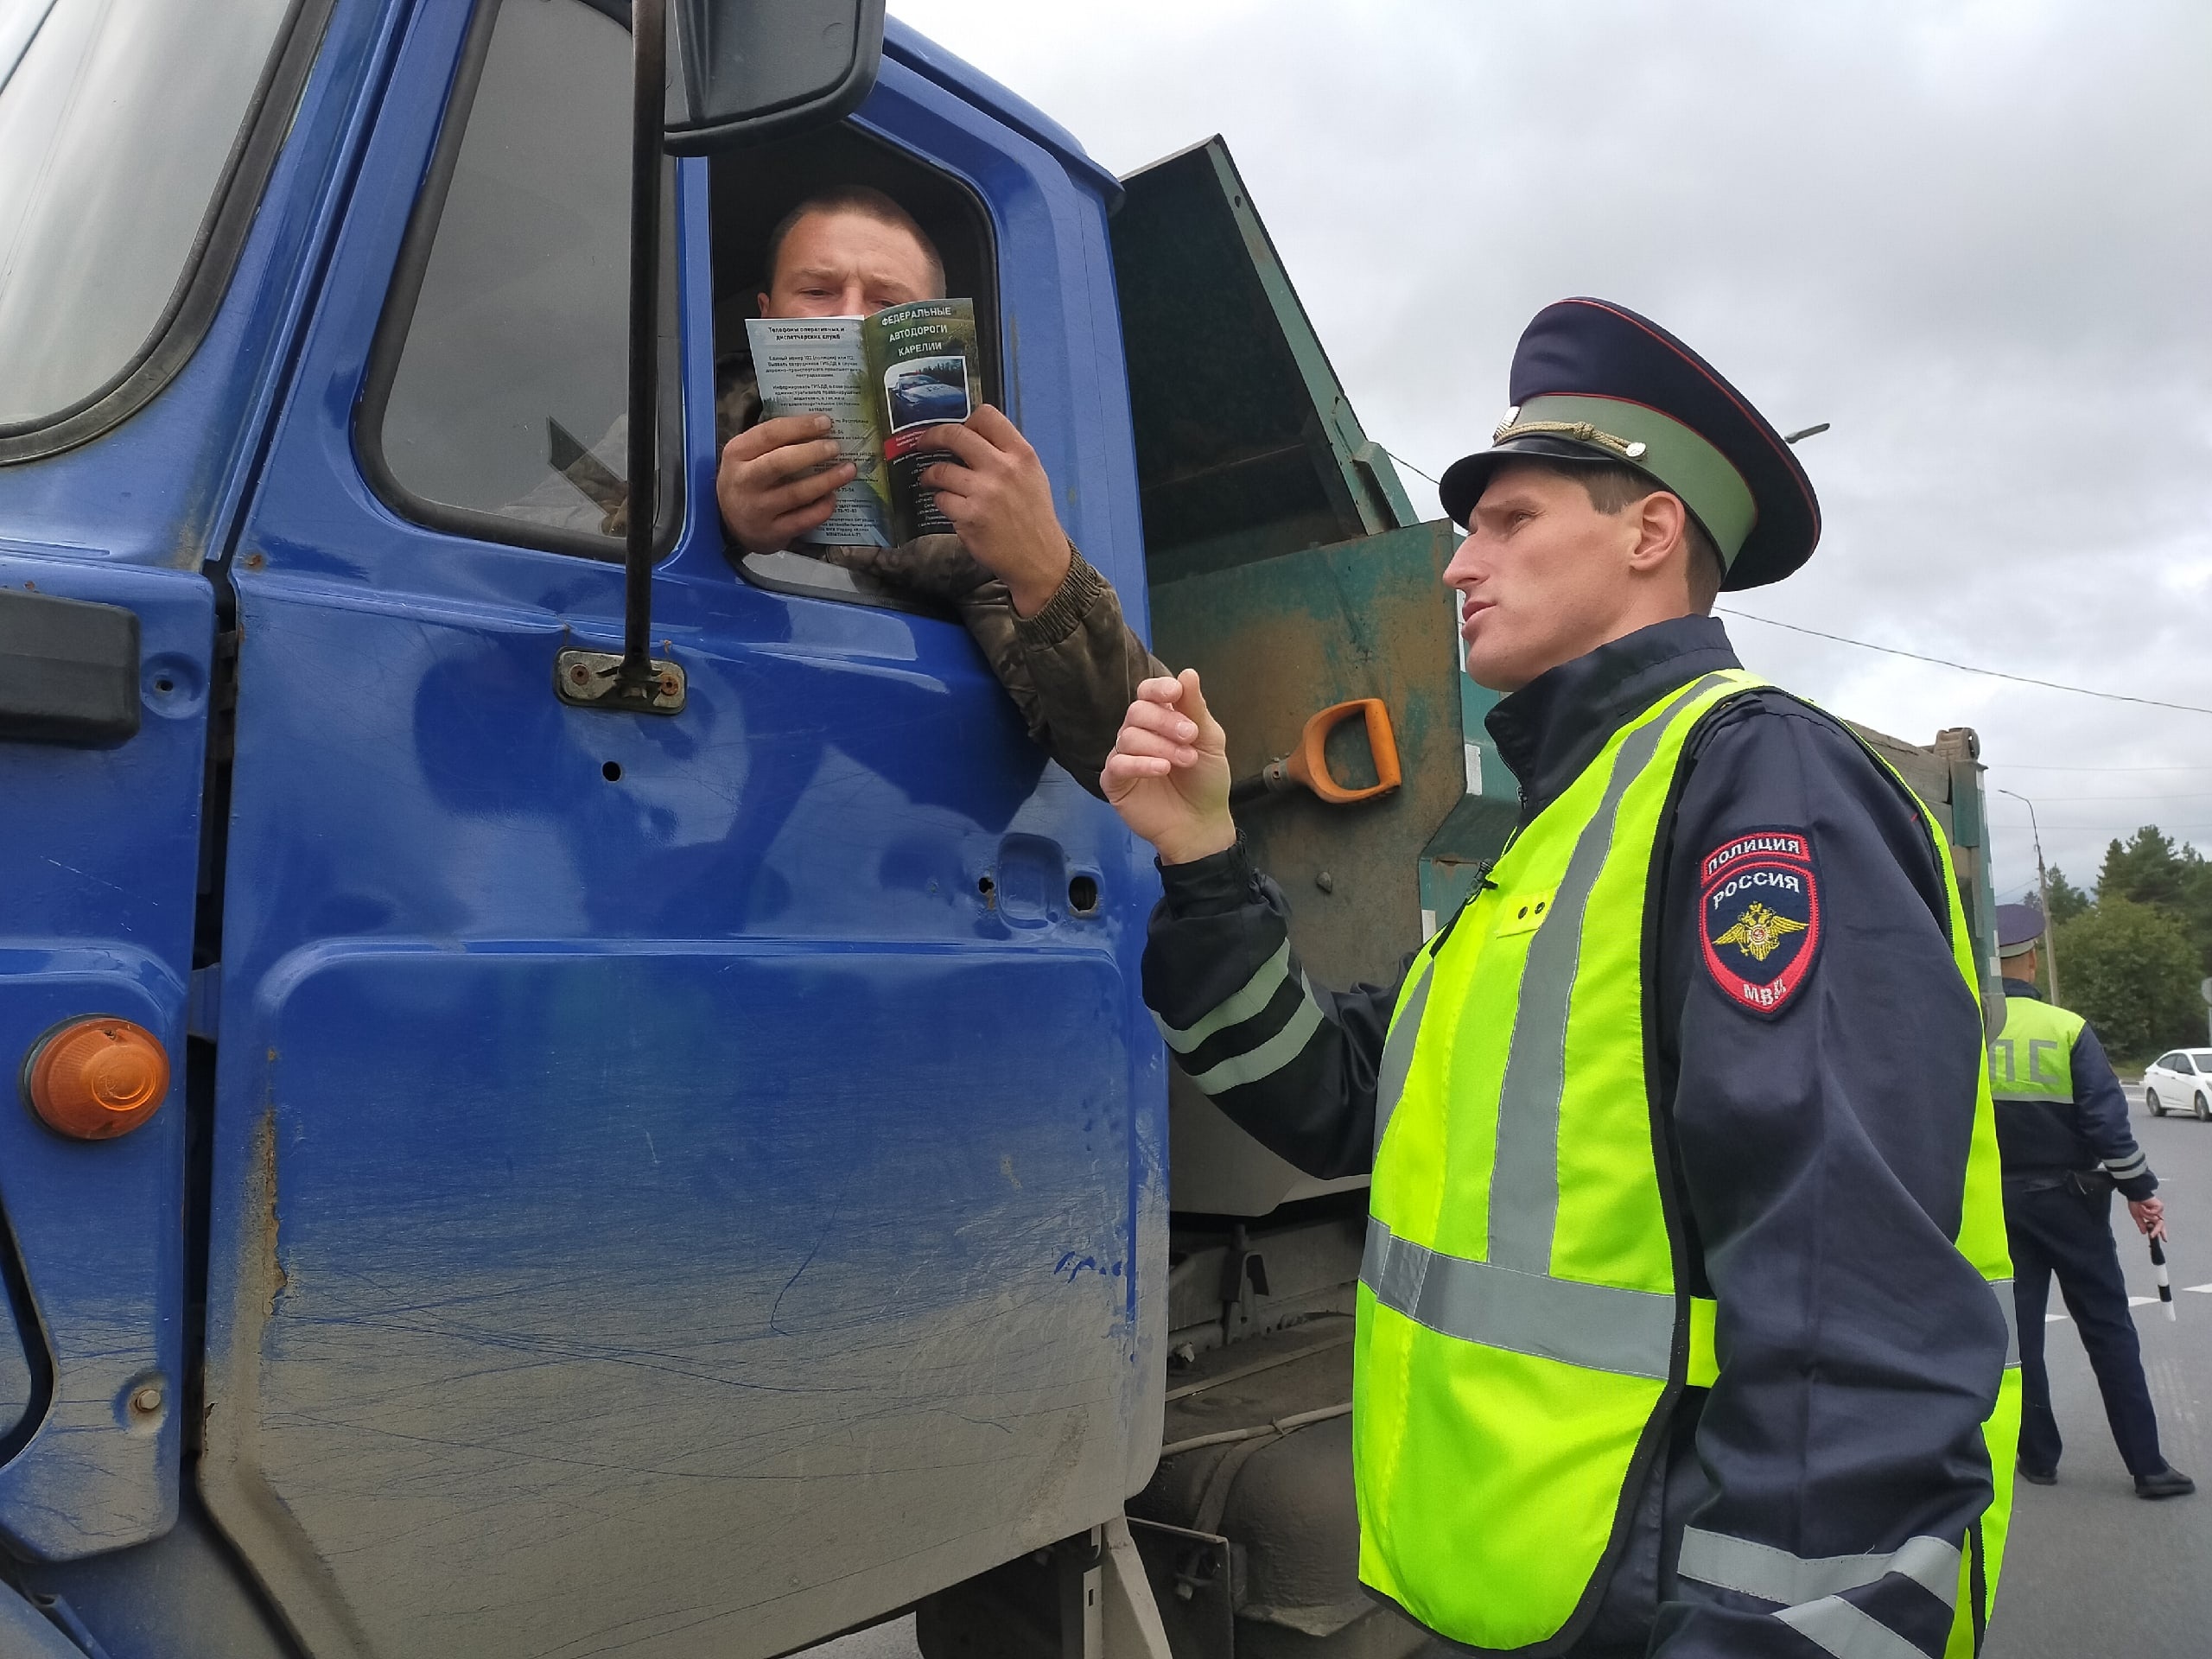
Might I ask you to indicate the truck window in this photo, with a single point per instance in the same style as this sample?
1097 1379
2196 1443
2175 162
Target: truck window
121 122
497 391
750 191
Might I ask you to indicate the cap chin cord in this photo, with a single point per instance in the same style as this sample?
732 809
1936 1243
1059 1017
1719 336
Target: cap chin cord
1581 431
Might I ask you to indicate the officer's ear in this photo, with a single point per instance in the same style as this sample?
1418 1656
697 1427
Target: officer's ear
1661 522
1667 531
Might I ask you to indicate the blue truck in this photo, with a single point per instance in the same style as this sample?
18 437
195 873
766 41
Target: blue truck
612 1109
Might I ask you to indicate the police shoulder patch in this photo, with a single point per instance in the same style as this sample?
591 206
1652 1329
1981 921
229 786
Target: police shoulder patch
1760 917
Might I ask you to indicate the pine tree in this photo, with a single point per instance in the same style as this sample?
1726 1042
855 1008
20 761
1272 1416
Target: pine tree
2150 869
2067 900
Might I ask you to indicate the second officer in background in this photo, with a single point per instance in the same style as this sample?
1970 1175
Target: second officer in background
2062 1127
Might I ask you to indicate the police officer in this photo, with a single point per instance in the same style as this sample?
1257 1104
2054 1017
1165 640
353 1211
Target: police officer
1683 1326
2062 1127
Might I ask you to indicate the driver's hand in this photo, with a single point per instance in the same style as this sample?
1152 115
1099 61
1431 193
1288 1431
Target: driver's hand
996 494
768 486
2150 1216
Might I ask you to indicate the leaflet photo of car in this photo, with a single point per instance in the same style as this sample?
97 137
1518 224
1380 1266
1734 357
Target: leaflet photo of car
926 392
921 356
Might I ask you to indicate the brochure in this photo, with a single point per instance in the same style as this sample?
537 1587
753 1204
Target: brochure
885 382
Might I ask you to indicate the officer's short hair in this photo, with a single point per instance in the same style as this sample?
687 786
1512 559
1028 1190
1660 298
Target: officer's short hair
868 203
1613 489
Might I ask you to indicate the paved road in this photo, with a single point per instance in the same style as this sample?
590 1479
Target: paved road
2092 1570
892 1641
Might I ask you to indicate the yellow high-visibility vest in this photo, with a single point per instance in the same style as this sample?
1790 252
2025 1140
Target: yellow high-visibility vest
2032 1059
1522 1338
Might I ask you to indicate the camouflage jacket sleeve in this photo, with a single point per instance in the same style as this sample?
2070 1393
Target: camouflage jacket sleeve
1071 669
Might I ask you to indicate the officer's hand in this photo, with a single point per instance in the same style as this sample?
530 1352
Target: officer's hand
2150 1216
768 485
996 494
1168 775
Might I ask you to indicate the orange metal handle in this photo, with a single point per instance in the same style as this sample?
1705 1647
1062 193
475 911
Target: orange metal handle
1309 762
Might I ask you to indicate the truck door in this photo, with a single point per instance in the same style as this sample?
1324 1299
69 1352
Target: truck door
679 1182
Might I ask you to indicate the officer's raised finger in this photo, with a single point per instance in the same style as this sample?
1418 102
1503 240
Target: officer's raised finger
1193 697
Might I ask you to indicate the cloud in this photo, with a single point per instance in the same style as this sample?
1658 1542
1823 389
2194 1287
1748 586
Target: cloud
1972 237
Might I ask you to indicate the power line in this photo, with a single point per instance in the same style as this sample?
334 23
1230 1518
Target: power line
1918 657
1968 668
1410 468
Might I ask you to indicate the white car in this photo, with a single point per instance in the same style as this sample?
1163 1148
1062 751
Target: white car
2180 1077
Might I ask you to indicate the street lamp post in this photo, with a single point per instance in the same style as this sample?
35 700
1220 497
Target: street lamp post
2042 894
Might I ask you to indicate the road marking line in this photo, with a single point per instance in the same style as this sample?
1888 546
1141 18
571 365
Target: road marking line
2054 1319
2138 1301
2205 1290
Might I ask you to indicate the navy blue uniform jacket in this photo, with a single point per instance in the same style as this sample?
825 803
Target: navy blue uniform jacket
2039 1138
1820 1150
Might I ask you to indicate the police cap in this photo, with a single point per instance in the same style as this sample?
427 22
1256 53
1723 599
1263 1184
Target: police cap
2019 929
1593 382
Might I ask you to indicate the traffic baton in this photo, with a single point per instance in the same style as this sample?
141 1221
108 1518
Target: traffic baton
2165 1285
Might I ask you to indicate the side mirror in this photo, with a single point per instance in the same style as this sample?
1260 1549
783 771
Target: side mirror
730 72
740 71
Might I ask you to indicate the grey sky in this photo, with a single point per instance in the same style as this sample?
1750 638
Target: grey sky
1976 237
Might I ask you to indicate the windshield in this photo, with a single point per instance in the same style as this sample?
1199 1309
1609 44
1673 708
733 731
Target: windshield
117 118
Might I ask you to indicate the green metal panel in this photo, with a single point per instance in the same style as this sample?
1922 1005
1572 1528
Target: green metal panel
1247 446
1278 638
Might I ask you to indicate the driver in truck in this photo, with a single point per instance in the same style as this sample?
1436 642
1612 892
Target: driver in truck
1683 1321
1049 625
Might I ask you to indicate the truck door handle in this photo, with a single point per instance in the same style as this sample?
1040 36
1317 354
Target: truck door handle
1307 765
68 671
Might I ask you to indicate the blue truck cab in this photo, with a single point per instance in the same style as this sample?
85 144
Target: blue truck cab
623 1183
585 1182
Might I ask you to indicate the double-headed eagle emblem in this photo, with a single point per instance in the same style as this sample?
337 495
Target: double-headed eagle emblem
1759 932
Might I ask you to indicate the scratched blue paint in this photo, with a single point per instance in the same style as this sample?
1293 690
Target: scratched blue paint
101 878
100 881
672 1172
690 1170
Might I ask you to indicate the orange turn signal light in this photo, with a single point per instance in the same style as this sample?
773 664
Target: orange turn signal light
94 1079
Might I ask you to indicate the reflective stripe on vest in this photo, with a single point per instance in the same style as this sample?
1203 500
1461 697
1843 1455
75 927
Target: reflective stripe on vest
2032 1059
1521 1328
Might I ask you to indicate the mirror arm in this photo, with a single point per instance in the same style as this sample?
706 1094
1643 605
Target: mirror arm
634 681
